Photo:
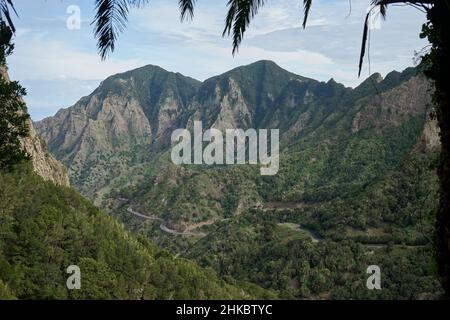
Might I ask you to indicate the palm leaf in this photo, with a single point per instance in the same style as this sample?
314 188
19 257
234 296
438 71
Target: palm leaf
5 6
364 41
307 8
382 4
110 20
240 13
187 9
12 6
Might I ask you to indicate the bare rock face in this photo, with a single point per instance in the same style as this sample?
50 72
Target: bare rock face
392 107
234 113
223 109
43 163
117 126
128 120
97 137
430 138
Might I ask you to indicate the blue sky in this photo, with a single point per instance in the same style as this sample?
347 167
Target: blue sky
58 66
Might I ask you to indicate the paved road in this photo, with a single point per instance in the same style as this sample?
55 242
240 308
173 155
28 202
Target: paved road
163 225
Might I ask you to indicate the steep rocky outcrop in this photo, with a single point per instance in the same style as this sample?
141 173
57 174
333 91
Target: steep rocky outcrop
44 164
128 120
355 171
429 139
394 105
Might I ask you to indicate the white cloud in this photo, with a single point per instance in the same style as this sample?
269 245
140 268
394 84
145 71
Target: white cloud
40 58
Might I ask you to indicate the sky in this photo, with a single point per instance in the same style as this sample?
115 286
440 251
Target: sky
58 64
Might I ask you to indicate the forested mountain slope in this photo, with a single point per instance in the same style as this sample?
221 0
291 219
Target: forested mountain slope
356 184
45 228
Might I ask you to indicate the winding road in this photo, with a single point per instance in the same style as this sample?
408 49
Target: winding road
163 224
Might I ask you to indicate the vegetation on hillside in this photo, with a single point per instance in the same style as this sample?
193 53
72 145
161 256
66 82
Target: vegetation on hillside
46 228
13 112
369 189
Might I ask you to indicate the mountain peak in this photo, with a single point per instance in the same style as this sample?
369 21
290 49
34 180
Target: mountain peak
266 66
147 72
265 63
143 106
261 72
147 69
370 84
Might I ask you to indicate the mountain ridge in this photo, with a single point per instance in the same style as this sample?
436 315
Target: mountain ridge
129 118
356 172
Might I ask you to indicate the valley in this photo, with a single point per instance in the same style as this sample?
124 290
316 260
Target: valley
356 183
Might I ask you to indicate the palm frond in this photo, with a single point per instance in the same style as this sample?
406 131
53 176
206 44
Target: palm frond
382 4
306 9
5 6
232 8
110 20
364 41
240 13
187 9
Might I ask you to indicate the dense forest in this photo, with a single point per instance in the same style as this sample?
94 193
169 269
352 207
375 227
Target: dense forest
357 186
322 249
45 228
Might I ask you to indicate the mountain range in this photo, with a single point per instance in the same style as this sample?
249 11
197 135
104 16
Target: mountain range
356 184
129 118
47 226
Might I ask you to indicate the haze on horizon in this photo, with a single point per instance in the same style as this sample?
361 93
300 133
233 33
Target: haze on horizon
58 66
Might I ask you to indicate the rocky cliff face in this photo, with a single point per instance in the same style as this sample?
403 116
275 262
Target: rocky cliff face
44 164
393 106
129 119
354 171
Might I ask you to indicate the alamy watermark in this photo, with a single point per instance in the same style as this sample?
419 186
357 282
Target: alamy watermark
74 280
374 280
189 150
73 22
